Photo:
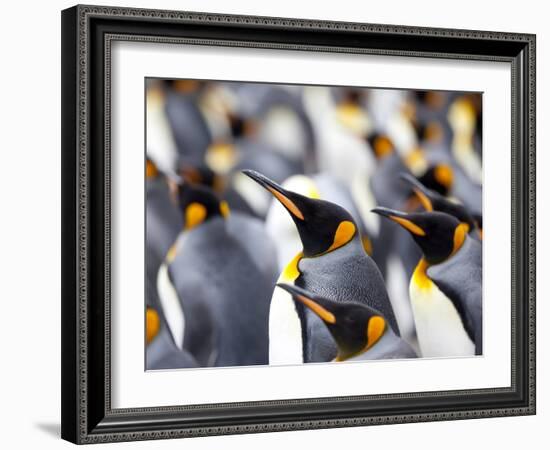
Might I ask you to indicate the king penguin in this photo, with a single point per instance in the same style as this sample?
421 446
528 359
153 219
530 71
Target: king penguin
359 331
214 289
445 288
433 201
332 263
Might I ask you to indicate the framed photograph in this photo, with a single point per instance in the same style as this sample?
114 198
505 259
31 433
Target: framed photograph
281 224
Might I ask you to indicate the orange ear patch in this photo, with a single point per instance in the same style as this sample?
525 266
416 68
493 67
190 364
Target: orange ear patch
152 324
195 213
344 234
460 236
375 330
444 175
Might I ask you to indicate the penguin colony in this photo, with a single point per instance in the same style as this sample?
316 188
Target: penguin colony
294 224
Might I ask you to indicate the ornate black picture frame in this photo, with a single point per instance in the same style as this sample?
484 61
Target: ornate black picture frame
87 35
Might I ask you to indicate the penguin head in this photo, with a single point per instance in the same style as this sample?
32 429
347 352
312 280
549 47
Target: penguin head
381 145
434 201
199 204
439 235
354 327
323 226
439 178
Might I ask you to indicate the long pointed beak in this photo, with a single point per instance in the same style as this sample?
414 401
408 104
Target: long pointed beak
277 191
423 194
313 304
400 218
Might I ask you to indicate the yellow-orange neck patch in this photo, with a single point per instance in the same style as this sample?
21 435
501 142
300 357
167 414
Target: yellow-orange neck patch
291 272
224 209
195 213
367 244
420 277
172 252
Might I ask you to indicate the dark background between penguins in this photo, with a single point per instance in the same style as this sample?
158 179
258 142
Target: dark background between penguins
218 241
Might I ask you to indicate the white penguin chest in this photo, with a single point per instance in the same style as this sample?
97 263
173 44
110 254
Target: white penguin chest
438 325
285 327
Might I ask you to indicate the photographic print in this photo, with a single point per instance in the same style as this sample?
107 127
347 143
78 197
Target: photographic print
290 224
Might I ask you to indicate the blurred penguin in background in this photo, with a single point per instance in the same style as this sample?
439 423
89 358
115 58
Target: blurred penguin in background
266 130
163 224
161 351
214 289
187 122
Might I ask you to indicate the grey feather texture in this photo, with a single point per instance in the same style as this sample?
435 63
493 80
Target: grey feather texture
345 274
214 275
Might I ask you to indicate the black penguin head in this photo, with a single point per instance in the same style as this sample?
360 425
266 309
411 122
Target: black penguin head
439 235
381 145
434 201
199 204
355 327
439 178
323 226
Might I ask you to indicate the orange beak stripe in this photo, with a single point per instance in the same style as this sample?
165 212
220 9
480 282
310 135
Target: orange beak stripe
413 228
287 203
426 202
327 316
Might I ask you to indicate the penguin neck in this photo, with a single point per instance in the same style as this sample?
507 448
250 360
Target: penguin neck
420 275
